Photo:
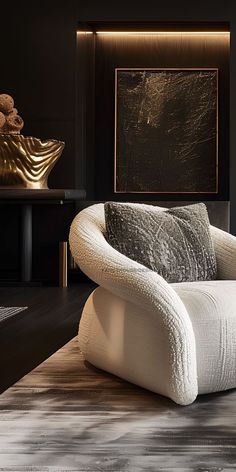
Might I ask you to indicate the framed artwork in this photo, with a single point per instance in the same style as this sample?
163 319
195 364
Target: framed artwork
166 130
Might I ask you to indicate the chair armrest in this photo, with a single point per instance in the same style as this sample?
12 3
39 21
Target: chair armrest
143 287
225 249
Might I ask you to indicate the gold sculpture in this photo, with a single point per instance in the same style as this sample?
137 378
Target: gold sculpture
25 162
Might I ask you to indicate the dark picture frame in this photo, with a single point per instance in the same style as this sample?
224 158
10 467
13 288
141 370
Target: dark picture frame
166 130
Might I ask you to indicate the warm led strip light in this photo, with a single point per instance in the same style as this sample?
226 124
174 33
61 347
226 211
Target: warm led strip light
157 32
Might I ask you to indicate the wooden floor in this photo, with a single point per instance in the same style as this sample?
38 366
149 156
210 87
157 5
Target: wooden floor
68 416
32 336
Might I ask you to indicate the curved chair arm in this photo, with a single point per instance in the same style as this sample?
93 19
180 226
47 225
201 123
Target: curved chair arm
143 287
225 248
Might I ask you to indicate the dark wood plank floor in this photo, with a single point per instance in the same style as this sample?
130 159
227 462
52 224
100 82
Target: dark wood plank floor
66 415
31 337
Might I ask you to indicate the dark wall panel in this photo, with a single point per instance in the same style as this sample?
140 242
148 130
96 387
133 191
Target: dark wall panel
38 45
178 51
178 11
38 64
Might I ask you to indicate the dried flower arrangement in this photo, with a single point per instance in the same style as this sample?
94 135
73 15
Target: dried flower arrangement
10 121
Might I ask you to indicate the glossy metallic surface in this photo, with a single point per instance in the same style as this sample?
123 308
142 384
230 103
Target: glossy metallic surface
26 162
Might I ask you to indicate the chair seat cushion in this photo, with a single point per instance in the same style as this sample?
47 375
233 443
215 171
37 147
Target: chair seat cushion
211 306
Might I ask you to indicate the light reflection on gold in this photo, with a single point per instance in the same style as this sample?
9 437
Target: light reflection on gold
26 162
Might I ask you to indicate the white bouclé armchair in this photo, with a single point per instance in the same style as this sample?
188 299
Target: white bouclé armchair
178 340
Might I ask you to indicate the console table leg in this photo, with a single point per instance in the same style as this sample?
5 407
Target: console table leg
26 243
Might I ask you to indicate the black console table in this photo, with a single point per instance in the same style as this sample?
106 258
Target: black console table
26 198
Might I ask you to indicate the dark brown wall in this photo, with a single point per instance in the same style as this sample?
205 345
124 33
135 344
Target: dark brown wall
38 45
178 51
38 41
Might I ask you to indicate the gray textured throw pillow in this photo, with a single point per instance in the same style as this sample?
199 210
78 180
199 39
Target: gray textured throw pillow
175 243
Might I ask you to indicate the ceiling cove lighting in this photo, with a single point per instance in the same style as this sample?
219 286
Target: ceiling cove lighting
173 33
164 32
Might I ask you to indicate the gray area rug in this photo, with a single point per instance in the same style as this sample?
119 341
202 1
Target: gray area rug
8 312
68 416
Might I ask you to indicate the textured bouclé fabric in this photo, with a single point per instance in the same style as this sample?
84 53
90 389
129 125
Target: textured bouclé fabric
144 288
168 313
135 348
175 243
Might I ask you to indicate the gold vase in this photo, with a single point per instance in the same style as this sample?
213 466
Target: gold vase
26 162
